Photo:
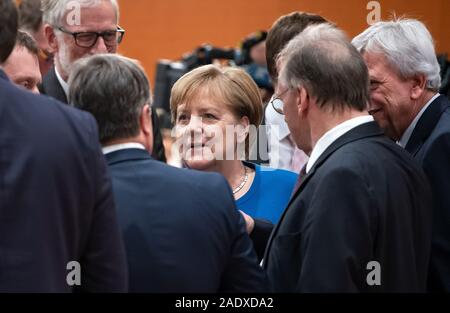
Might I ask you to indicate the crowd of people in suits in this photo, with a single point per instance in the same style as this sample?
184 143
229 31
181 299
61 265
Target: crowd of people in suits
83 178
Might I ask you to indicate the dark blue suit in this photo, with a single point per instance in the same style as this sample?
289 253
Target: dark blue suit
364 200
56 202
430 145
181 229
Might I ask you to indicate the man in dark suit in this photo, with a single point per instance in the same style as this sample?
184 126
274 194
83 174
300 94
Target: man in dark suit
58 227
406 103
98 31
360 218
181 229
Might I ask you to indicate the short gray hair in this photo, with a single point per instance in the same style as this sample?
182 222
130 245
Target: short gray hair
407 45
114 89
322 60
54 11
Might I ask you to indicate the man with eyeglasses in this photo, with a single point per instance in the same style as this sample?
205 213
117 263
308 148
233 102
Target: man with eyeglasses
283 152
360 220
76 29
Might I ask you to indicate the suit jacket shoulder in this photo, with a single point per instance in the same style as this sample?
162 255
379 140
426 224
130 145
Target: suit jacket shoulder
343 217
193 215
56 177
430 146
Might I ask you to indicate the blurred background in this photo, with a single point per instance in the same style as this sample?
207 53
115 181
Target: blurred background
180 30
166 29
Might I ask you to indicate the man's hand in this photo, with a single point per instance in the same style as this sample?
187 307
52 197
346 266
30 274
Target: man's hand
249 222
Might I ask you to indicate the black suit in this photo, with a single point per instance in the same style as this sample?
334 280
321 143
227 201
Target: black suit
430 145
51 87
364 200
56 201
181 229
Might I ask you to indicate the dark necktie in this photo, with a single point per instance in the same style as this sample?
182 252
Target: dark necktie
299 180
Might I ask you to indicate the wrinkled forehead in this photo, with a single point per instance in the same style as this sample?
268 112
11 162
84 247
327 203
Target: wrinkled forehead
378 64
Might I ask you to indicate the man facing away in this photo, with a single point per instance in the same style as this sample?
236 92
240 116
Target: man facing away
58 225
181 229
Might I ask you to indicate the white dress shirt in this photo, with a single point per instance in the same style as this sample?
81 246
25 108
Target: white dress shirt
332 135
283 153
407 134
122 146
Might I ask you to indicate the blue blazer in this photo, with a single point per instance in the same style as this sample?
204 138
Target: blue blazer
430 145
181 229
56 201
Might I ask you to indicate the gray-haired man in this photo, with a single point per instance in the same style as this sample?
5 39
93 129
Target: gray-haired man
76 29
404 100
363 204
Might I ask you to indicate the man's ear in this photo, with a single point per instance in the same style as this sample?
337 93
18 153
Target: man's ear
50 35
243 129
419 85
303 101
146 120
147 126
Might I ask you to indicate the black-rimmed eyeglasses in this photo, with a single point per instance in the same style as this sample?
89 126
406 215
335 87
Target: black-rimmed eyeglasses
277 103
88 39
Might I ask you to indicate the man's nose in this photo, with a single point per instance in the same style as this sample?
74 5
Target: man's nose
100 46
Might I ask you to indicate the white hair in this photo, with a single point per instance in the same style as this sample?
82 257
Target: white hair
54 11
407 45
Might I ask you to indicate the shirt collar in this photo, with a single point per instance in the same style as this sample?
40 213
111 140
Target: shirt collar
64 84
408 133
332 135
122 146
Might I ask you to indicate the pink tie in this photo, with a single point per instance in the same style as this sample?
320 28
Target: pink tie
299 159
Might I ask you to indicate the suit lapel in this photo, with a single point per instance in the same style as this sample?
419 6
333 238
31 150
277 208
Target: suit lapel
51 86
426 124
363 131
